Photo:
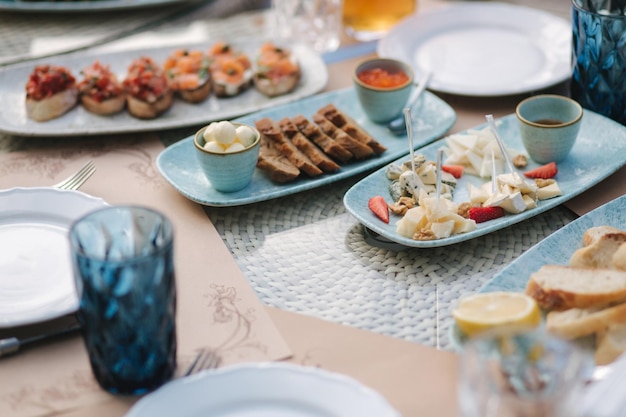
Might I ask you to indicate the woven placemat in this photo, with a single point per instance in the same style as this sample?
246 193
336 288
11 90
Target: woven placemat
304 253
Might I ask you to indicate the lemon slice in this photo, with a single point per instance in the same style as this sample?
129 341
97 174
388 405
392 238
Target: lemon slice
484 311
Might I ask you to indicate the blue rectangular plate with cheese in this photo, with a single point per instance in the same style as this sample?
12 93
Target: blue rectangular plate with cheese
598 152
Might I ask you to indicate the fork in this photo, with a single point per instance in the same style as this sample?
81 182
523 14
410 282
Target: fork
206 359
74 181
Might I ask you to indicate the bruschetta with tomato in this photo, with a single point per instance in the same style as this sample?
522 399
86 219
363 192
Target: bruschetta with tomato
188 75
231 70
51 91
100 90
147 92
277 70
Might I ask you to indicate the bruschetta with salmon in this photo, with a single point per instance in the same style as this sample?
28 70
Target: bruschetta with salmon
188 75
231 70
51 91
277 70
147 92
100 90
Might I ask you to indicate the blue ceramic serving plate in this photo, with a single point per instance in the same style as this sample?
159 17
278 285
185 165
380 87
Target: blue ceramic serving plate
599 151
555 249
179 166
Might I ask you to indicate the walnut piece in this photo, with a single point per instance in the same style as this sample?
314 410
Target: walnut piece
540 182
424 234
520 161
463 209
402 205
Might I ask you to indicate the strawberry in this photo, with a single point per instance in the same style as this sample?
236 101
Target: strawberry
545 171
379 207
455 170
484 214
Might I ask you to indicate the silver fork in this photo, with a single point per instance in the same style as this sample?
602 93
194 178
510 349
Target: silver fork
206 359
74 181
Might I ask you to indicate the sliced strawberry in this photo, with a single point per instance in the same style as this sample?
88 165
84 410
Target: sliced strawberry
484 214
545 171
455 170
379 207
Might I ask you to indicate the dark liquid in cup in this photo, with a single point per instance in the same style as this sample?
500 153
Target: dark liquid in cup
550 122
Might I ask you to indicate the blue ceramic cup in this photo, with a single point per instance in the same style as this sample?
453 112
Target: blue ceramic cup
124 274
228 171
383 104
599 57
549 125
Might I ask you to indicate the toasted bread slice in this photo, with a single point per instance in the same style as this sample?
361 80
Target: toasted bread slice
610 343
321 139
579 322
358 149
562 287
105 107
53 106
149 110
601 243
270 129
275 163
348 125
619 258
307 147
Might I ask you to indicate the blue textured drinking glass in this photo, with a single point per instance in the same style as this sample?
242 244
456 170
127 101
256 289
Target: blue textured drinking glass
124 274
599 56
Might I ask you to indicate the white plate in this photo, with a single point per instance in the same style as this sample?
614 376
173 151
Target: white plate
179 165
483 48
598 152
79 121
264 390
36 281
82 6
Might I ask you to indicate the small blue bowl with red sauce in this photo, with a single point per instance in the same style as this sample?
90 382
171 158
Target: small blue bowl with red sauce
383 87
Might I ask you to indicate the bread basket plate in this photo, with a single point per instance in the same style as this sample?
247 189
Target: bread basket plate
556 249
78 121
179 166
598 152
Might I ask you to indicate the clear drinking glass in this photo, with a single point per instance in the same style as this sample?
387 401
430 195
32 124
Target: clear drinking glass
124 274
371 19
519 374
315 22
599 56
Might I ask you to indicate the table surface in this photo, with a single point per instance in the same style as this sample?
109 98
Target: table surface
304 253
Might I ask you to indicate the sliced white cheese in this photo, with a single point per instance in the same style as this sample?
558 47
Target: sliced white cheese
551 191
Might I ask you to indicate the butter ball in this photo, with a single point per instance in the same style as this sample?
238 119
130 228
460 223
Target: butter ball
224 132
246 135
214 147
234 147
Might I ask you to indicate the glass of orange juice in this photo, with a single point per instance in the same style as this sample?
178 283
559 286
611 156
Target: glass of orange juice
366 20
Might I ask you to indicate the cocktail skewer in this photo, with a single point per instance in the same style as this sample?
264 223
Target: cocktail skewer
494 130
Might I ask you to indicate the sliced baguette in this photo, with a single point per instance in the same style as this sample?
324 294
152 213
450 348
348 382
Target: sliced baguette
270 129
358 149
321 139
307 147
579 322
601 243
52 107
619 258
351 127
562 287
610 344
149 110
275 163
